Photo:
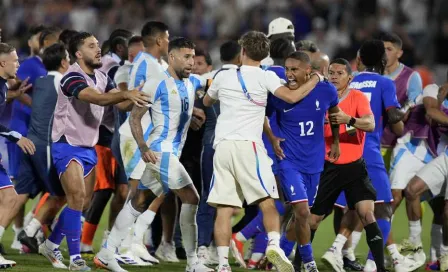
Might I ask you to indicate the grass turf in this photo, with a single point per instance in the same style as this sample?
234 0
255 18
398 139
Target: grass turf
323 240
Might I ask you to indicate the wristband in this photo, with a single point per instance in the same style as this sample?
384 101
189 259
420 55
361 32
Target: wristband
352 121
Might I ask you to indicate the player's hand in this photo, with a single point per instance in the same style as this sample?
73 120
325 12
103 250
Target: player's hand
26 145
198 119
443 92
334 153
275 141
139 98
319 76
148 155
18 88
339 117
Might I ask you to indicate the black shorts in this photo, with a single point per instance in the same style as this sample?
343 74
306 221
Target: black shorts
351 178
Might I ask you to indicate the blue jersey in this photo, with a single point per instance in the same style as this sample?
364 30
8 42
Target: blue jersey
382 95
302 126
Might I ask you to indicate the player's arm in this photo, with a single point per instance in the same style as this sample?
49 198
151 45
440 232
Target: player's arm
432 100
24 143
294 96
414 92
365 122
137 131
274 140
335 150
397 128
17 90
122 85
390 102
211 95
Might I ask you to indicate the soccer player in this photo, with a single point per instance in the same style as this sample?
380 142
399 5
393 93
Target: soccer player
83 92
241 166
171 107
230 57
9 64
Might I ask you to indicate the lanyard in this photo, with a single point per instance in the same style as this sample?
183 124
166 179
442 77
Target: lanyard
246 93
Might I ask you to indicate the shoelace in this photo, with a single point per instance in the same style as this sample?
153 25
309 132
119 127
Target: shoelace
80 262
58 255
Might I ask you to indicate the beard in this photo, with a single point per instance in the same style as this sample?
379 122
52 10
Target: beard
183 74
92 64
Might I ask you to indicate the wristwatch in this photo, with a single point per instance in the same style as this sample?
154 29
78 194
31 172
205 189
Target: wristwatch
352 121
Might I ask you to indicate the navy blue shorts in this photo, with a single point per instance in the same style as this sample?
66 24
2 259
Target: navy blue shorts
120 173
37 173
5 181
64 153
14 156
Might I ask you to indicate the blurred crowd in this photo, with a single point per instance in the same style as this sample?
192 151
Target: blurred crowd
338 26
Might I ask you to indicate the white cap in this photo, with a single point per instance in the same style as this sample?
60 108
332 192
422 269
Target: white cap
279 26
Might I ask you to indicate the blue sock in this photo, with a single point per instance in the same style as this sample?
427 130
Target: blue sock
72 230
57 234
286 245
384 226
306 252
280 207
254 227
260 243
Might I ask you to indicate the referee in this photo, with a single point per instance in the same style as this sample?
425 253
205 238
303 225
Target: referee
349 173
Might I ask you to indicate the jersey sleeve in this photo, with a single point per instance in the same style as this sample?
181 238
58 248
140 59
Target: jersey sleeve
415 87
389 94
137 75
22 72
152 88
214 87
432 90
10 135
110 84
363 105
198 81
73 83
273 82
122 75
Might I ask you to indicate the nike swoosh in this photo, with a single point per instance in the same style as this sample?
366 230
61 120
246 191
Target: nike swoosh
105 264
288 110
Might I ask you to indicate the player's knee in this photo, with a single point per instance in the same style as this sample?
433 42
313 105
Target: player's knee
122 193
366 215
301 212
383 211
141 199
314 221
412 191
398 195
9 200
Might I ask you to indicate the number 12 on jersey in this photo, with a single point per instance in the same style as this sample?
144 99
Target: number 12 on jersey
308 126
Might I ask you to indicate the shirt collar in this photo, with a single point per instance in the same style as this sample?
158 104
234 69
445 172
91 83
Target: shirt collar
54 73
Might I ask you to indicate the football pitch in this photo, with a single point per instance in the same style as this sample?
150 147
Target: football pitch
324 238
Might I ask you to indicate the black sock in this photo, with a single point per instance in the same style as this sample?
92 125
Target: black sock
297 258
375 242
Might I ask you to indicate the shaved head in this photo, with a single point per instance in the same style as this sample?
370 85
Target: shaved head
320 62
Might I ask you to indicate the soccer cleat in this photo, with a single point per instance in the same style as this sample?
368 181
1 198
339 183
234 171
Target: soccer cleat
443 262
54 256
251 264
203 254
352 265
370 266
6 263
407 246
129 259
213 258
140 251
404 264
248 251
311 267
333 260
30 242
16 245
237 248
106 260
277 257
167 252
78 264
198 267
224 268
433 266
264 264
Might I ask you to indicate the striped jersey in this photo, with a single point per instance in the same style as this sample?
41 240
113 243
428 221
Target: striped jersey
144 67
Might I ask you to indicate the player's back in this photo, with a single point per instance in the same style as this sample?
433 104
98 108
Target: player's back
144 67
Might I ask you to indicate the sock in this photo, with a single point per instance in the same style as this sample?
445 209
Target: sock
375 242
240 237
415 230
356 237
124 221
51 245
274 238
286 245
189 231
253 228
436 241
297 257
33 227
86 248
260 243
306 252
2 231
57 234
393 251
339 243
443 250
223 254
280 207
88 233
72 231
349 254
127 242
141 225
256 257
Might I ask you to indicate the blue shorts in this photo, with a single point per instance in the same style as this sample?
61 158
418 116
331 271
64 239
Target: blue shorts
5 181
380 181
35 177
64 153
341 202
14 156
298 186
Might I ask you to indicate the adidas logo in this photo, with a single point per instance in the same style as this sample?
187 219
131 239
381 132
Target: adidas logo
376 238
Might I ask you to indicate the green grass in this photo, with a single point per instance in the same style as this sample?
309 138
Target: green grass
324 238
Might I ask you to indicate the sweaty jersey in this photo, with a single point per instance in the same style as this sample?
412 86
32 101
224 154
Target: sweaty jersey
381 93
302 127
172 103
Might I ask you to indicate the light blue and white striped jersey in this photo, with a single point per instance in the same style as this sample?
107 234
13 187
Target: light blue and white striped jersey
144 67
172 106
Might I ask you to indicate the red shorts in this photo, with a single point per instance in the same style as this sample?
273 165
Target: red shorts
105 169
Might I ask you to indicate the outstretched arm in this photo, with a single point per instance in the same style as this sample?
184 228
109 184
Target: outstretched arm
294 96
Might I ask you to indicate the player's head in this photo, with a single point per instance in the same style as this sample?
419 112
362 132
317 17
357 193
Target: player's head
202 62
393 46
298 68
118 40
86 49
155 34
280 49
33 39
135 45
66 35
359 65
230 53
254 46
373 56
281 28
105 47
340 73
181 56
49 36
306 45
320 62
56 58
9 61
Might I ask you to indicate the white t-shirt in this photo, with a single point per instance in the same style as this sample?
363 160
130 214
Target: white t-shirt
122 73
241 119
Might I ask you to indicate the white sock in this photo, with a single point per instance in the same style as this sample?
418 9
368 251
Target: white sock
189 231
393 251
356 237
32 228
16 230
274 238
127 241
436 241
256 257
349 254
124 221
443 249
415 230
51 245
2 231
240 237
86 248
142 225
72 257
223 254
339 243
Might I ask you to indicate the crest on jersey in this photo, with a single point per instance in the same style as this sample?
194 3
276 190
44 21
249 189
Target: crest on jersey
317 105
292 190
173 91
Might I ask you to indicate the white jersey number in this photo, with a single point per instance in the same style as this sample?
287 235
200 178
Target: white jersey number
309 125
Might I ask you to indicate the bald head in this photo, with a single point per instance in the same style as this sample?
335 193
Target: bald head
320 62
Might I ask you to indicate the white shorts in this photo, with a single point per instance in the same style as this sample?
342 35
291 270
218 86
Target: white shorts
241 170
134 166
168 173
404 167
435 173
